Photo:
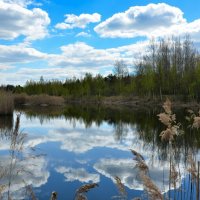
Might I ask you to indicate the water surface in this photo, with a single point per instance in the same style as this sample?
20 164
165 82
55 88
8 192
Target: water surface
65 148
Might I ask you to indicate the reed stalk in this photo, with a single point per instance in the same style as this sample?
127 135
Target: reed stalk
6 103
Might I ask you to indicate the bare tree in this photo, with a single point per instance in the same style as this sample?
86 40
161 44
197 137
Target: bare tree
120 69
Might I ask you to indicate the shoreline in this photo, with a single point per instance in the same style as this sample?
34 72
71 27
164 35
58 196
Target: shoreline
136 102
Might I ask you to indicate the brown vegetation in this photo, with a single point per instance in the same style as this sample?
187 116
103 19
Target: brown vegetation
169 120
121 188
42 100
6 103
80 193
149 186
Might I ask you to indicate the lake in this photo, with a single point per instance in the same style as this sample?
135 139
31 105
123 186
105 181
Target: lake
63 148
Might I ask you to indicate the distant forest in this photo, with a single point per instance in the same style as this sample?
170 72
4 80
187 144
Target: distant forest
170 67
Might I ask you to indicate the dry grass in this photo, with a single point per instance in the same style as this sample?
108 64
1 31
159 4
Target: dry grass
80 193
2 188
192 166
173 175
140 161
151 188
85 188
54 195
6 103
196 123
31 193
137 155
10 171
169 120
20 99
142 166
121 188
193 119
42 100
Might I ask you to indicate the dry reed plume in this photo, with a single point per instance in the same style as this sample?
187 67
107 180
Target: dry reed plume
140 161
54 195
151 188
121 188
31 193
80 193
169 120
2 188
192 167
193 119
173 175
138 155
142 166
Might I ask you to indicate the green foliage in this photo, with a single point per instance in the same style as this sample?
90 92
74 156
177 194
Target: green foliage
170 67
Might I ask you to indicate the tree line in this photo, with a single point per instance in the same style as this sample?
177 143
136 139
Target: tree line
170 67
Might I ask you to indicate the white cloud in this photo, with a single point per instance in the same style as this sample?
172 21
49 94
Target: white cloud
20 21
80 174
5 67
83 34
81 21
84 57
151 20
19 54
75 60
23 3
63 26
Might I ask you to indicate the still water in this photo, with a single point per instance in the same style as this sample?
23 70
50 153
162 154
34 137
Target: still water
64 148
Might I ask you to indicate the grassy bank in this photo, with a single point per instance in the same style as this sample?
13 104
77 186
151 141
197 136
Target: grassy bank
9 100
136 101
38 100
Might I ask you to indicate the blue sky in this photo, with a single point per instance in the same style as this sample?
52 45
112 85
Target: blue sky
62 39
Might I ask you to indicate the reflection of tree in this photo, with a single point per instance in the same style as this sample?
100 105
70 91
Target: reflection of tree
6 124
144 122
121 130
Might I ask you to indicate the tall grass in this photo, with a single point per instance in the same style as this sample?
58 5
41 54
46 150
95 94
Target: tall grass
12 168
6 103
38 100
81 192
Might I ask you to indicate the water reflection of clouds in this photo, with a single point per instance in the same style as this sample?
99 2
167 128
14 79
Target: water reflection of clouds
126 170
80 140
85 141
31 171
72 137
80 174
